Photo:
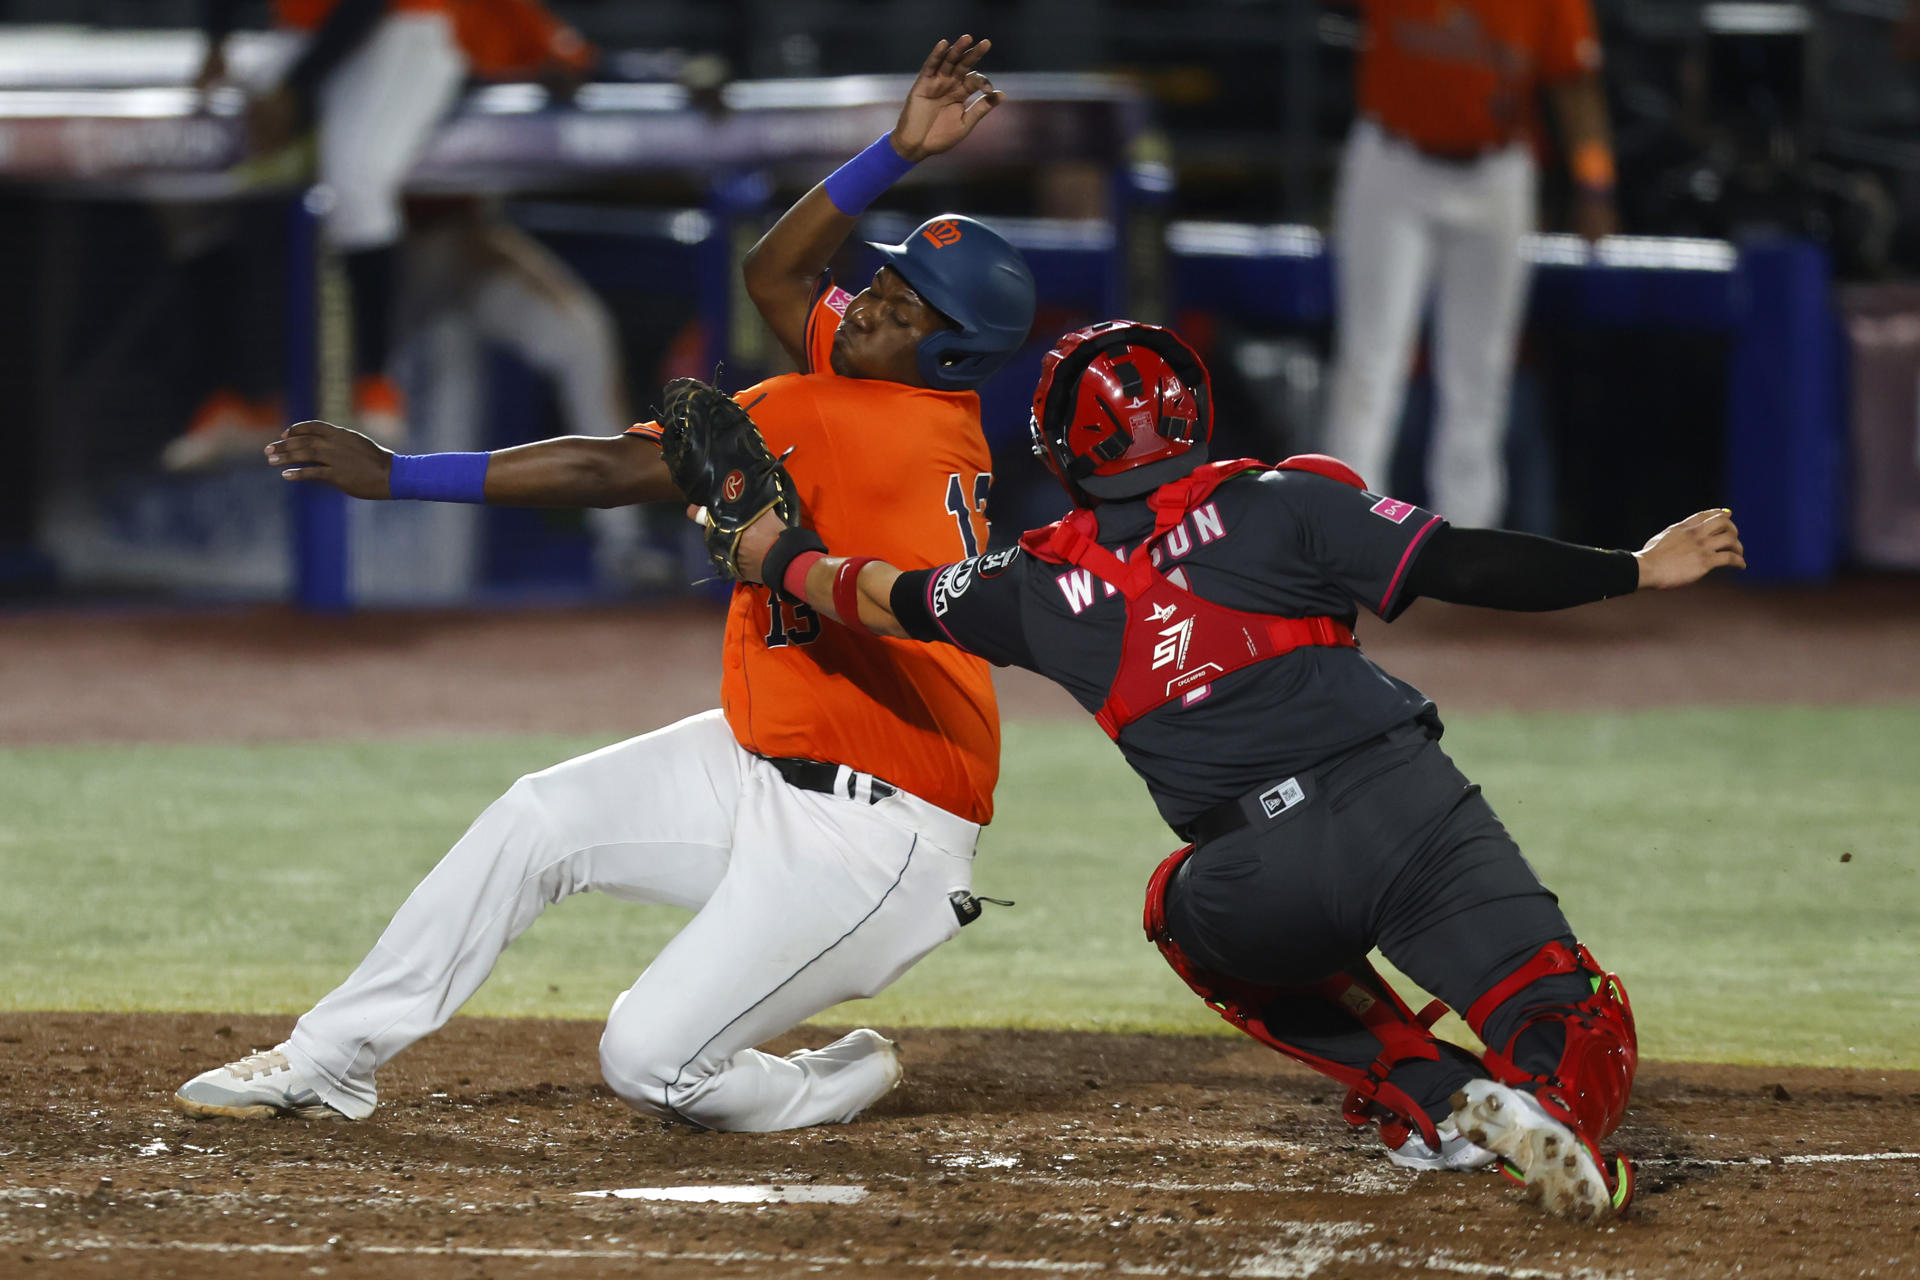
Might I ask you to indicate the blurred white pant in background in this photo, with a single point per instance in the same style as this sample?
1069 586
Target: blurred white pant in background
376 112
1404 224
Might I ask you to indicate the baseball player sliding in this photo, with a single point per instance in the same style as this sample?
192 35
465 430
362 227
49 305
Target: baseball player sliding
1204 613
814 880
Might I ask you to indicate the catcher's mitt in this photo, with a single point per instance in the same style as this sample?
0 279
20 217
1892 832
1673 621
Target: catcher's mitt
719 461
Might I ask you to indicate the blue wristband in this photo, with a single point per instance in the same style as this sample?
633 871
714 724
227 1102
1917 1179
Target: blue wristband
439 477
865 178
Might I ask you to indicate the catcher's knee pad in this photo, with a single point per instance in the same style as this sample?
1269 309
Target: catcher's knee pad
1600 1052
1359 991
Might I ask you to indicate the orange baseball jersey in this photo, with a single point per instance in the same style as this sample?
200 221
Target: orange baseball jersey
888 470
1458 76
504 38
501 38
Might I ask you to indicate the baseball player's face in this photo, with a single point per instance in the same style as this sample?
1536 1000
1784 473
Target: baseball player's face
881 329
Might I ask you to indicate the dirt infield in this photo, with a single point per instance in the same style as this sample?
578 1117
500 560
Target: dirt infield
1027 1153
1023 1152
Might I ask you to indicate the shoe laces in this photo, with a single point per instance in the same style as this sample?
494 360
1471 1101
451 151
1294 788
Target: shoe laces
264 1063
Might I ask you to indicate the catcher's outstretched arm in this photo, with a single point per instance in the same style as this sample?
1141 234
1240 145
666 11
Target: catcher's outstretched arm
868 583
872 586
571 471
1502 569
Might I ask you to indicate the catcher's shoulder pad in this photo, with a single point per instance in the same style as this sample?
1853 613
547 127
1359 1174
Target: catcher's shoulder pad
1323 465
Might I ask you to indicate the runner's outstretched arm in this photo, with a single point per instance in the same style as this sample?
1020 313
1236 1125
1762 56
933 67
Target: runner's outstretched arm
570 471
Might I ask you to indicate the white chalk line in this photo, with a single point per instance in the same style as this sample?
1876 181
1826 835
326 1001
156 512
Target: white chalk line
752 1193
1316 1249
1035 1177
606 1255
1305 1259
1762 1162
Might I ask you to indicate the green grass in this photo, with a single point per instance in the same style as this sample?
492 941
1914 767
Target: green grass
1698 852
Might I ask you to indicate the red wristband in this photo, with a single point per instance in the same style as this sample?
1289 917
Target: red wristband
846 592
795 582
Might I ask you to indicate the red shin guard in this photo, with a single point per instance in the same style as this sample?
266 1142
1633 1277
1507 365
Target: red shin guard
1402 1034
1597 1063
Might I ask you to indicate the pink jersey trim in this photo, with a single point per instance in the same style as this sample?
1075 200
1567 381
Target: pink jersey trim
1406 557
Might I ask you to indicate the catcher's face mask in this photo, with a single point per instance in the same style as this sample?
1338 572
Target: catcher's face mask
1121 408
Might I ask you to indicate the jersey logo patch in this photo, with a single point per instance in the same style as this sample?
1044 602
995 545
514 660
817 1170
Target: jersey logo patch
994 563
1392 509
953 581
942 233
1277 799
1172 647
837 300
1161 612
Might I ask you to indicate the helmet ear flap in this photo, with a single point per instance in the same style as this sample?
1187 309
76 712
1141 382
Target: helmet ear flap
1178 430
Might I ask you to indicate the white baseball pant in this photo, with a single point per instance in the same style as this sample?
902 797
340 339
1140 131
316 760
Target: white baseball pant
376 112
803 900
1404 223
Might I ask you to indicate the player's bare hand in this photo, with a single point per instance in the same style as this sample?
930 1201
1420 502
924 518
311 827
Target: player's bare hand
347 460
948 99
1686 552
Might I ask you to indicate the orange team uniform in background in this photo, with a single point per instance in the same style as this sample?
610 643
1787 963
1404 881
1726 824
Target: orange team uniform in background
500 38
1457 77
894 471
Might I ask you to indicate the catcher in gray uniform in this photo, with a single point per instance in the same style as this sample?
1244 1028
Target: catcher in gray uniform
1203 613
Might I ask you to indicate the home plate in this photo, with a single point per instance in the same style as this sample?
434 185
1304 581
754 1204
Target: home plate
736 1195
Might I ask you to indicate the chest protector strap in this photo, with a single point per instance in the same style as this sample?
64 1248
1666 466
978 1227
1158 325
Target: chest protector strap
1176 644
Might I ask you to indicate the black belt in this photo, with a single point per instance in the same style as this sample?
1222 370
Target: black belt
1223 819
831 779
1270 799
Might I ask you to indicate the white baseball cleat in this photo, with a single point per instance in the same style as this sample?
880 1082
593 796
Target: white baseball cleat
1561 1169
857 1047
1456 1154
864 1063
257 1086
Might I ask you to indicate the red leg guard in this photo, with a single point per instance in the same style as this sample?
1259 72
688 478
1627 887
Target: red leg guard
1374 1004
1595 1072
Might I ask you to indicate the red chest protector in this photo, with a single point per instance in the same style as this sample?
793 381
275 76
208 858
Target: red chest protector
1176 644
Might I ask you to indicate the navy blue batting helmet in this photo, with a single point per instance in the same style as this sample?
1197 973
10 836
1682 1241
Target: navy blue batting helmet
967 272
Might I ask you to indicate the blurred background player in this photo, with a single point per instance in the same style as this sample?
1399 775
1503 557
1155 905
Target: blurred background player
463 263
1436 190
371 80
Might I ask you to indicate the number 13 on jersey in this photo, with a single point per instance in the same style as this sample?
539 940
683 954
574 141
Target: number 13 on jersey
963 506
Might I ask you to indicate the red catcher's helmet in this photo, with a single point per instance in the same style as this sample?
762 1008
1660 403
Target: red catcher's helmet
1121 409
